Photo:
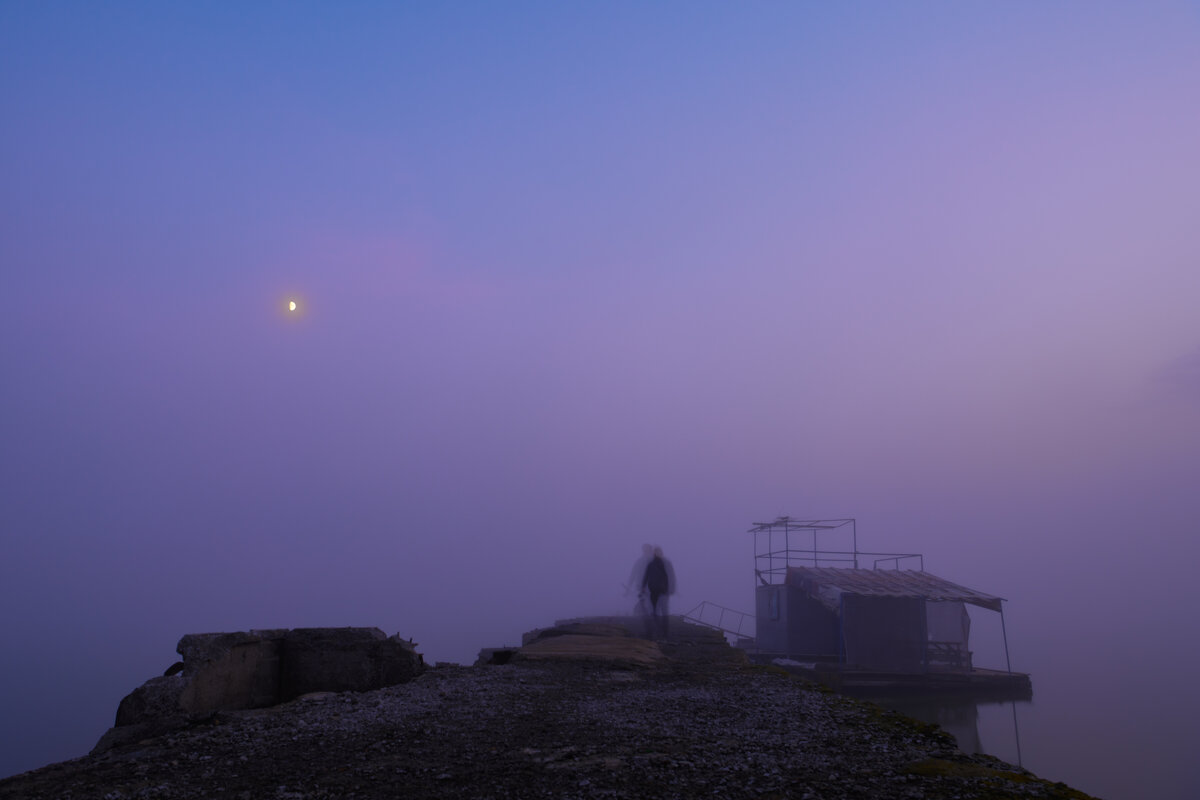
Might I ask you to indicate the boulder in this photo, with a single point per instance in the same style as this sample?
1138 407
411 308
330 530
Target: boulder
150 710
154 699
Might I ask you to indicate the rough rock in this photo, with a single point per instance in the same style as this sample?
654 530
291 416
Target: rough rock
580 728
154 699
344 660
230 670
258 669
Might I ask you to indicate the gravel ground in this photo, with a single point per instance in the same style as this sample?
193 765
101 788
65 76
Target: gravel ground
549 730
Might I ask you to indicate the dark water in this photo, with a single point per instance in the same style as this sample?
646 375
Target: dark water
1113 746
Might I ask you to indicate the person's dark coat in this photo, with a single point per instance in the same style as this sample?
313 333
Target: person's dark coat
656 579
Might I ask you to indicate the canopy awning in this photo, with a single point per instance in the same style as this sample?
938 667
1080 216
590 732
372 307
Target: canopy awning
825 582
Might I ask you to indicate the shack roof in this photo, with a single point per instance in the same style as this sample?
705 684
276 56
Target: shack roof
826 582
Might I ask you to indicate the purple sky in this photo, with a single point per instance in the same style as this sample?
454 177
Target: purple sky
577 277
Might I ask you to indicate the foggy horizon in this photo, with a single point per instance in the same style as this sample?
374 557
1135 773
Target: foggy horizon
574 279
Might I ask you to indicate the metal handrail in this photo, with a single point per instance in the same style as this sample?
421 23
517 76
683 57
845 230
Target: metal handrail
896 558
739 619
776 562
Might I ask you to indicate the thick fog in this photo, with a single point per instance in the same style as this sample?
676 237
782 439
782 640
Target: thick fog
570 280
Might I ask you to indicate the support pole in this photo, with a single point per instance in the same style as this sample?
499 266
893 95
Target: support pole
1008 663
1004 632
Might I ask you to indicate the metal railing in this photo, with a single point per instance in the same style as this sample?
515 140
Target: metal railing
726 620
788 542
897 557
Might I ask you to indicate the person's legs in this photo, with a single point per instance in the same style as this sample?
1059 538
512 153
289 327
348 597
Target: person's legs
652 623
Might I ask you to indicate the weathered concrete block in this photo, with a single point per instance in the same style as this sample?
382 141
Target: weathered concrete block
229 670
344 660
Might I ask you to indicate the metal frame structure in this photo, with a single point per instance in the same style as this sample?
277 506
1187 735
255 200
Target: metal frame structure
771 562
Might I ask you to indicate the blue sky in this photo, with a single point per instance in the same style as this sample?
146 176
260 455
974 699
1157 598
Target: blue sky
575 277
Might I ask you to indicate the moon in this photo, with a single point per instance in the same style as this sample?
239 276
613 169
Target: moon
291 305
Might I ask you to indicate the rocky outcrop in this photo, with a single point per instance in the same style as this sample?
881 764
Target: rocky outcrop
532 729
157 698
257 669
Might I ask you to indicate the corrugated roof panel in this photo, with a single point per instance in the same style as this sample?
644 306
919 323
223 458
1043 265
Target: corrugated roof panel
886 583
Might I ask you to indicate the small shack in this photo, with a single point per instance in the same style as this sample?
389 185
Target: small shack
889 620
814 603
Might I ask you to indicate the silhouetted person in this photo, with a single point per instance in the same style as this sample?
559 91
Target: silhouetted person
635 580
659 581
